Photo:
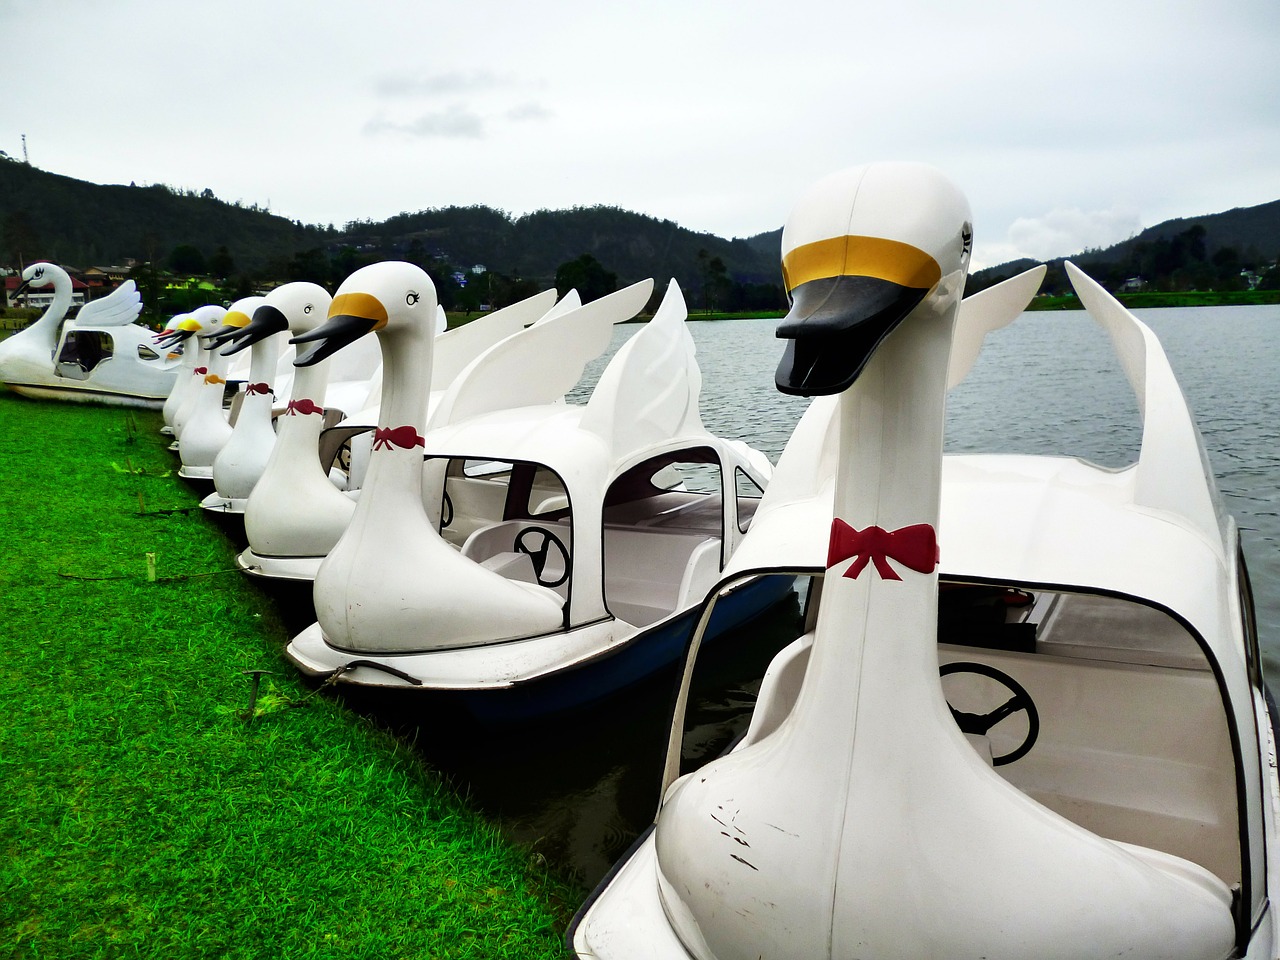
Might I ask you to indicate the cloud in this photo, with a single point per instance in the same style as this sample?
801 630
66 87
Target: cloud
1064 231
439 84
456 123
528 111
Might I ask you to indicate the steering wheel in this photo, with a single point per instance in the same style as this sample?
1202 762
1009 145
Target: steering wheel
539 555
980 723
446 511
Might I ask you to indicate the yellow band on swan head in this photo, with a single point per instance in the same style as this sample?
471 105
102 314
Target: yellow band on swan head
857 256
364 305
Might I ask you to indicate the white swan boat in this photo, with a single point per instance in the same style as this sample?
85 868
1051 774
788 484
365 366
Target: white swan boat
298 515
182 331
243 459
1067 752
572 541
101 356
204 425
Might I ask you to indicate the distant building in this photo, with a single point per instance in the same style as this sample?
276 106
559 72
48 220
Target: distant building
103 280
1132 285
41 297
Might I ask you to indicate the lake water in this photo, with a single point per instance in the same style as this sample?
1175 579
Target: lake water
579 791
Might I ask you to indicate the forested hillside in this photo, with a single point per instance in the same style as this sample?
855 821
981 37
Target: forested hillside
1231 251
478 255
47 216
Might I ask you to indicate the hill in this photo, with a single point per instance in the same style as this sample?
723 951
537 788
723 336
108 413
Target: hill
48 216
480 255
1225 252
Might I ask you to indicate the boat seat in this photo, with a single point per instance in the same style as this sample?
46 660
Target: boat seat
493 547
512 565
1112 756
71 370
650 572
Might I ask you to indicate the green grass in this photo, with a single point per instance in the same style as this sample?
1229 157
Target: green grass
141 814
1190 298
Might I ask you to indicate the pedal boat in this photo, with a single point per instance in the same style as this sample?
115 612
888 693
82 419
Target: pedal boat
206 421
1065 750
242 461
180 336
101 356
299 513
572 540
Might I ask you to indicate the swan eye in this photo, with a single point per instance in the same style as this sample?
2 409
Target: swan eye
307 309
39 273
966 235
412 298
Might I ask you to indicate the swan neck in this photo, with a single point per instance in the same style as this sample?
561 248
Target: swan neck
48 322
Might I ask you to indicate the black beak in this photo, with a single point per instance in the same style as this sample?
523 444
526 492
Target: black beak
334 334
171 338
219 335
267 320
834 326
22 288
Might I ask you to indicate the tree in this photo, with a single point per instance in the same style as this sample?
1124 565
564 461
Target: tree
715 280
310 265
587 276
20 237
221 265
186 259
147 279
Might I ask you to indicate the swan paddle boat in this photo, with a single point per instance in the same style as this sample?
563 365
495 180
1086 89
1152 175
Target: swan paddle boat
1059 748
102 356
207 426
243 459
181 333
296 513
572 540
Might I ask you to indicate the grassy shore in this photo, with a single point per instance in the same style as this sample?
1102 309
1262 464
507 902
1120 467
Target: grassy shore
1191 298
142 813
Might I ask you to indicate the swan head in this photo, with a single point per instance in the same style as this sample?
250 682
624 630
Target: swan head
237 317
298 306
862 250
390 296
40 274
180 328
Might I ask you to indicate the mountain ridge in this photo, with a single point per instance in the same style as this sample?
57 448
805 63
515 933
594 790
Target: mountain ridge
45 215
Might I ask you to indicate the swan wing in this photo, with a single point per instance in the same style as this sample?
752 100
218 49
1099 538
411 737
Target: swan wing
456 348
986 311
650 388
541 363
119 308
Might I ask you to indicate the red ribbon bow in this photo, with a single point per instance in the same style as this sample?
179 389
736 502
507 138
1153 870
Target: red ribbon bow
200 371
258 388
303 406
405 436
915 546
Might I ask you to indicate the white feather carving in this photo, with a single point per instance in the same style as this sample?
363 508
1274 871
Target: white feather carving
651 387
120 307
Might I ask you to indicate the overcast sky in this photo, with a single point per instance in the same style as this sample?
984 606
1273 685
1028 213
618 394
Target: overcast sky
1069 125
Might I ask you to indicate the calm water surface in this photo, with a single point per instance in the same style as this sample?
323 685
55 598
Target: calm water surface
578 791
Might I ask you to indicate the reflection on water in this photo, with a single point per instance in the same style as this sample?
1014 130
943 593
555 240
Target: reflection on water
580 790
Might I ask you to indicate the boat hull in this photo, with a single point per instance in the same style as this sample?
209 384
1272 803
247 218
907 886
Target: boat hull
486 685
278 568
42 391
